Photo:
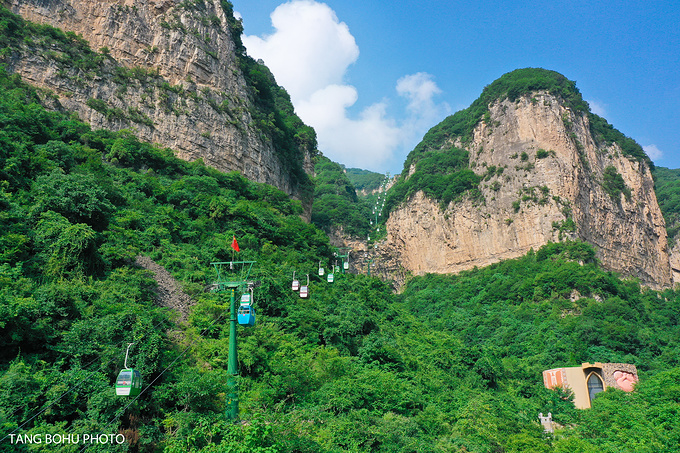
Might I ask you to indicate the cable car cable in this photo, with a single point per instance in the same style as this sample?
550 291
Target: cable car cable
157 377
52 403
82 381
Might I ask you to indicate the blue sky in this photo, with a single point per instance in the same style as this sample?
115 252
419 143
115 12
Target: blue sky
372 77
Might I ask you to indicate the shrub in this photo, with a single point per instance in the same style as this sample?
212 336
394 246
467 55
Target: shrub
542 154
441 175
614 185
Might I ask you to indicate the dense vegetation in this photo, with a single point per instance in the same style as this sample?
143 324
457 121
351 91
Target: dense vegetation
441 175
77 207
461 125
336 203
365 180
452 364
667 188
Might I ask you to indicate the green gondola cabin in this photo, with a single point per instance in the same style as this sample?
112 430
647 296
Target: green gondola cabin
129 382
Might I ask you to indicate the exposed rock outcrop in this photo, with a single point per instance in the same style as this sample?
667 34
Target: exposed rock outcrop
551 181
180 85
169 293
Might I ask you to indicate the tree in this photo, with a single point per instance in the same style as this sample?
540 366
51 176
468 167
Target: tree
68 250
77 197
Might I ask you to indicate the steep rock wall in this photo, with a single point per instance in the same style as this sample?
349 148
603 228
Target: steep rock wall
551 187
185 89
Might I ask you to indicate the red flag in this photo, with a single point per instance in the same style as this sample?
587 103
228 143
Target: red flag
234 245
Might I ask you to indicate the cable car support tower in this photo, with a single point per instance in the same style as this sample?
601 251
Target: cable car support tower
233 276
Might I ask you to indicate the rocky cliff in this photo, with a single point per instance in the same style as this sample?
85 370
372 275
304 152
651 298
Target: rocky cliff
544 176
174 73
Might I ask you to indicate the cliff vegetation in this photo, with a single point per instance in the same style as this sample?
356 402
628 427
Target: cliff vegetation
364 180
667 188
184 102
458 128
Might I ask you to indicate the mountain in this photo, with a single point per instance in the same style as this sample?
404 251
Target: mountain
527 164
99 232
174 72
107 240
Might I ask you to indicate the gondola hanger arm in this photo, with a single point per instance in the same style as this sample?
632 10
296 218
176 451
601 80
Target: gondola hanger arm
127 351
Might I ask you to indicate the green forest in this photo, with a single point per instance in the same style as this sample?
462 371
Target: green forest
451 363
336 203
364 180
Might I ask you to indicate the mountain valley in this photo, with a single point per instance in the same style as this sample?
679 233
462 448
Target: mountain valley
524 234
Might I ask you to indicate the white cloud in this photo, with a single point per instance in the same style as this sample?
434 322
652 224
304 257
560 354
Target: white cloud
309 53
653 152
419 89
309 50
597 108
365 142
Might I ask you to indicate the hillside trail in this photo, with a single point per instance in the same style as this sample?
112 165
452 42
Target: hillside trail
169 293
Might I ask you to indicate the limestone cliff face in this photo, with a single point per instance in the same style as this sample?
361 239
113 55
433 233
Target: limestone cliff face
183 87
551 187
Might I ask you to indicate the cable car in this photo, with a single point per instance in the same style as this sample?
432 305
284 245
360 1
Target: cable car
296 283
345 265
304 290
321 271
246 312
129 381
246 315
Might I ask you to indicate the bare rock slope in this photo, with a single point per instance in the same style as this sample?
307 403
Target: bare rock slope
169 293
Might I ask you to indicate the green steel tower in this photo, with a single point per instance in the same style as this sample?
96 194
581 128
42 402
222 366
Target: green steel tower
232 276
343 254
